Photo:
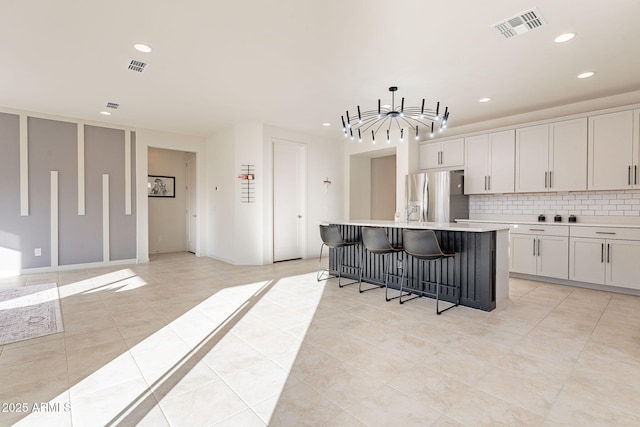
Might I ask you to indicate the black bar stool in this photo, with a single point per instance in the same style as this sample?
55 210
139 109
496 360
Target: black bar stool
331 237
376 241
423 245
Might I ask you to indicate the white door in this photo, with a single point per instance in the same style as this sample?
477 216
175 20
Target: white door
610 151
553 256
532 159
475 167
192 219
568 157
523 254
623 268
502 159
289 183
587 260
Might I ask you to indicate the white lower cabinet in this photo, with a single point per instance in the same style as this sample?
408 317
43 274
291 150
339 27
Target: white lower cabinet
605 257
541 251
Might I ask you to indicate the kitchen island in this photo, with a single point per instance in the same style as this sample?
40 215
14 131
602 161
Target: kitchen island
481 264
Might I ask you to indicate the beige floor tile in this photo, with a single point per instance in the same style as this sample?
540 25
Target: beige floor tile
476 408
535 395
387 406
34 351
206 405
572 408
246 418
298 405
259 382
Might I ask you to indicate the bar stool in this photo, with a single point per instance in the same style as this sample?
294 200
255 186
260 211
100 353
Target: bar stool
424 246
331 237
376 241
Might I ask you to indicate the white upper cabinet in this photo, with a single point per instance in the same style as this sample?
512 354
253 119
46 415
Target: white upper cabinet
613 151
442 155
552 157
489 163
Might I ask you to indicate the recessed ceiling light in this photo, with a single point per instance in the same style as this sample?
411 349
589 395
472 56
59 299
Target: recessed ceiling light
105 113
484 99
142 47
325 124
564 37
586 75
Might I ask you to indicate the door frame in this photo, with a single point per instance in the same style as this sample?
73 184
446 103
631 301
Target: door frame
192 191
302 194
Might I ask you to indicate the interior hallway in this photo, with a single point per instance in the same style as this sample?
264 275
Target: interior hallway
187 341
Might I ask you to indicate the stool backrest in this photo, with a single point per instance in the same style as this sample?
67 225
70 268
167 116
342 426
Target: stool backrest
421 244
375 239
330 235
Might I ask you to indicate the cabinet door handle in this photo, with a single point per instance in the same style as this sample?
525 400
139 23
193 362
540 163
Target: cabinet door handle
534 247
485 182
601 252
442 157
629 176
635 174
538 247
545 179
550 181
489 182
608 253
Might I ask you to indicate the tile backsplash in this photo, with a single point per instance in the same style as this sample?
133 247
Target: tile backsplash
586 203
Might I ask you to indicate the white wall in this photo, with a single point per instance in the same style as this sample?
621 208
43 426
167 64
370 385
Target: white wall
146 138
167 218
360 187
221 180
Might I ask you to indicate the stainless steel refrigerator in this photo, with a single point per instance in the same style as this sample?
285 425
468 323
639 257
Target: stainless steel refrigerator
436 197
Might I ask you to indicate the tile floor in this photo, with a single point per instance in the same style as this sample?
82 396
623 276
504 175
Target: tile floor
186 341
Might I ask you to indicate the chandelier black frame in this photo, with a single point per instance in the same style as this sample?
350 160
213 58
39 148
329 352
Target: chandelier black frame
391 117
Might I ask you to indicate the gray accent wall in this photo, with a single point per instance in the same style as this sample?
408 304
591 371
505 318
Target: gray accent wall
53 146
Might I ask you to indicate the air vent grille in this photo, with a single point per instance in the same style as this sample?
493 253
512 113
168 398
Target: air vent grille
113 105
137 66
519 24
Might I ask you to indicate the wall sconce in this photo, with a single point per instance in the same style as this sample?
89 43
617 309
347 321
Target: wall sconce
327 184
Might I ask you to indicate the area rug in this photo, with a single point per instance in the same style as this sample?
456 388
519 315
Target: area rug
29 312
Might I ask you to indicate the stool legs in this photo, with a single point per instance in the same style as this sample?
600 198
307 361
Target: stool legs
439 286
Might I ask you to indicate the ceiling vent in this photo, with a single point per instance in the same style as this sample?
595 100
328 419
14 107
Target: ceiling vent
137 66
520 24
112 105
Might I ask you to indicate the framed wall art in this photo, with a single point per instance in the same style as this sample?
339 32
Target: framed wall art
161 186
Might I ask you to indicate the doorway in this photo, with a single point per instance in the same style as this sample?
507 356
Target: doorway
289 200
170 229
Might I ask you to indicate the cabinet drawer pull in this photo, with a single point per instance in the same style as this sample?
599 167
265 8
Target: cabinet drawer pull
605 232
536 229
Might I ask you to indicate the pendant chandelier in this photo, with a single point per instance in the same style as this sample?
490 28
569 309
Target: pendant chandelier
394 117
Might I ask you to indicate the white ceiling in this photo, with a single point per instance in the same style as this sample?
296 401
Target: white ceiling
299 63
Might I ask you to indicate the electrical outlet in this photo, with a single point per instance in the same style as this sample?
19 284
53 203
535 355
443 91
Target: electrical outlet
37 252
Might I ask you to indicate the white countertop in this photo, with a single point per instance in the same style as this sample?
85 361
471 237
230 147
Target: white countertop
545 223
446 226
